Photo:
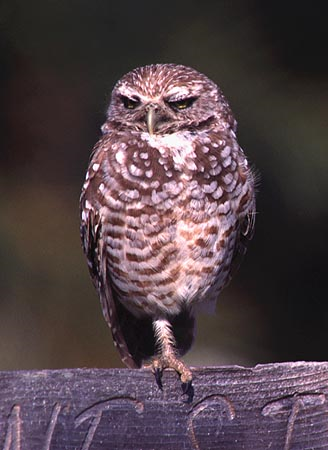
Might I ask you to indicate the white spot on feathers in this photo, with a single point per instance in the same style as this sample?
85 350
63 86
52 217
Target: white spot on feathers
120 156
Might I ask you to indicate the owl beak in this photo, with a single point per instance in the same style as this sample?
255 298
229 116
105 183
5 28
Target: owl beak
151 120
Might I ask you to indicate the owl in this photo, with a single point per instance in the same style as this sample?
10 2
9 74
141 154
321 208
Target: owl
167 208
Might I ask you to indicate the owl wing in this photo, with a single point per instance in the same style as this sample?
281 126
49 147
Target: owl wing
133 337
245 232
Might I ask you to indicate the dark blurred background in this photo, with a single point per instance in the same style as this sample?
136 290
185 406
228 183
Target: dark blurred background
58 63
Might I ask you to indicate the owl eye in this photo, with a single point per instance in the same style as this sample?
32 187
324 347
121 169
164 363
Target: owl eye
184 103
130 103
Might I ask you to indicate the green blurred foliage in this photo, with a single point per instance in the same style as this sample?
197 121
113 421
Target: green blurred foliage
58 63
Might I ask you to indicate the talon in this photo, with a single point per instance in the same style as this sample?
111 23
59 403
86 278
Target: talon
158 372
185 387
188 389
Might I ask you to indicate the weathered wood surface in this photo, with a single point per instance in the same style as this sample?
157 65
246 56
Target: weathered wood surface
273 406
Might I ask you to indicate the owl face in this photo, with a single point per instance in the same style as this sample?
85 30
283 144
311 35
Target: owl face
165 98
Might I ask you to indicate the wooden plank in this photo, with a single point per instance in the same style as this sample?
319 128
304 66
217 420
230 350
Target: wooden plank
273 406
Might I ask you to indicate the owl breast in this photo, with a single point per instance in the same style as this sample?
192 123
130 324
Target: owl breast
170 209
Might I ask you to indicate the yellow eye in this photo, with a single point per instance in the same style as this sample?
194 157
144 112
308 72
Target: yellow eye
184 103
130 103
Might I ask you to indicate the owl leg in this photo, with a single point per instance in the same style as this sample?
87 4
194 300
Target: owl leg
167 357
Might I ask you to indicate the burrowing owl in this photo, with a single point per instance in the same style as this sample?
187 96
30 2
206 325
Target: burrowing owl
166 208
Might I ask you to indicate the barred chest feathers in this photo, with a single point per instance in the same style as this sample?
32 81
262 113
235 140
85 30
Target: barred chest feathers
170 207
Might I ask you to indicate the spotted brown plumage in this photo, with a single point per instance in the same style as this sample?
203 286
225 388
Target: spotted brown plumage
166 208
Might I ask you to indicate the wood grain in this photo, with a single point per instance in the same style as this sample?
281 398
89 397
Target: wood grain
273 406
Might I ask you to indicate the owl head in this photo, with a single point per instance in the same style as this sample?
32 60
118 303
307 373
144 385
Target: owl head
166 98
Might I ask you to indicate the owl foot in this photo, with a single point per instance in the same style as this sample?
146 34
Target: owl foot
170 361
